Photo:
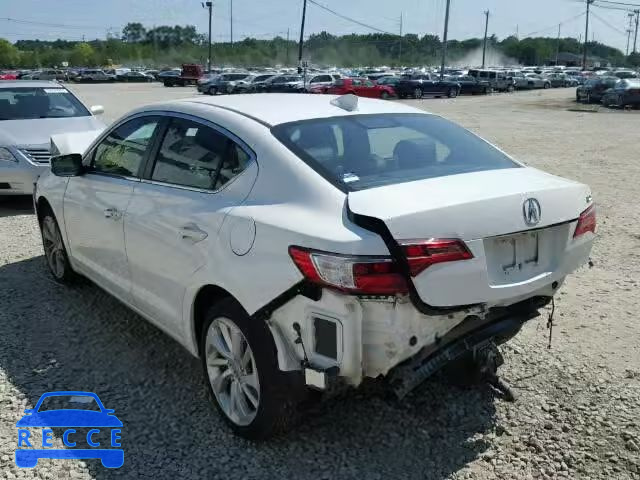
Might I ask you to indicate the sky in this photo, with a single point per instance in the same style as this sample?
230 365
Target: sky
89 19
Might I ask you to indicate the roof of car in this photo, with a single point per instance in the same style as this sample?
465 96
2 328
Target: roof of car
274 108
30 83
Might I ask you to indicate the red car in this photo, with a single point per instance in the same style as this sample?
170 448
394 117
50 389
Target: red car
361 87
8 76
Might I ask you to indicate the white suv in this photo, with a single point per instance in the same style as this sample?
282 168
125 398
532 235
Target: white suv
292 242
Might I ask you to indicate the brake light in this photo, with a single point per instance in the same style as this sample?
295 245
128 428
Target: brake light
421 254
353 274
586 222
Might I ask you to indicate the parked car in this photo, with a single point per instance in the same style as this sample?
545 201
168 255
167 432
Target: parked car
94 75
594 88
425 84
472 85
394 241
280 84
133 76
167 73
625 92
48 74
535 80
189 75
499 80
8 75
559 80
392 81
625 74
221 83
318 81
250 83
30 113
362 87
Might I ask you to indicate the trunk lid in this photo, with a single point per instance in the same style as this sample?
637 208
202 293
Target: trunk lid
490 212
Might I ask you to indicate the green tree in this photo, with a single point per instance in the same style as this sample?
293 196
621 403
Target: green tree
82 55
9 55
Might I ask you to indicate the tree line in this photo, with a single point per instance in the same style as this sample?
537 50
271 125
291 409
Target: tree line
173 45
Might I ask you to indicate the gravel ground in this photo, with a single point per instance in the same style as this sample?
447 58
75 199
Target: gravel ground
578 403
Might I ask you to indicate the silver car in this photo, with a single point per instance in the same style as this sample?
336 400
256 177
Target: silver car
30 113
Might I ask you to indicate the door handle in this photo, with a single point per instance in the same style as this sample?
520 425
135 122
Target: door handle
112 213
192 232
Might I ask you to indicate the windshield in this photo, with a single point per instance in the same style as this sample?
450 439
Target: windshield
22 103
68 402
364 151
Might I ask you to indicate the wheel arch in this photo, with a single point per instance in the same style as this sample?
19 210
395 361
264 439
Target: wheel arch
43 206
207 296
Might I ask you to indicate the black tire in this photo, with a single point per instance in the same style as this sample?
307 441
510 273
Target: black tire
418 93
547 85
212 91
384 95
452 93
63 273
279 393
511 89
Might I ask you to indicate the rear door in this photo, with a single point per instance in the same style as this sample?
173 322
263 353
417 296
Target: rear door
198 174
95 204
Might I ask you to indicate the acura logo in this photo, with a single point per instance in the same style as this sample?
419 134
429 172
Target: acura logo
531 211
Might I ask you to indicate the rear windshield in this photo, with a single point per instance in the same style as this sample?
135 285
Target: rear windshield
364 151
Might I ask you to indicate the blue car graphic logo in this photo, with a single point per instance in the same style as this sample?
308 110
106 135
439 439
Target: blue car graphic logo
86 413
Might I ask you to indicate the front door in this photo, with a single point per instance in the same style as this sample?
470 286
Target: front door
95 204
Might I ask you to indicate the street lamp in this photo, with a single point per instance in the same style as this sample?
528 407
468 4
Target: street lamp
208 5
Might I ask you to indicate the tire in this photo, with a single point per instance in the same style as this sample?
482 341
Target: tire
547 85
452 93
510 89
268 395
417 93
384 95
588 99
212 91
54 250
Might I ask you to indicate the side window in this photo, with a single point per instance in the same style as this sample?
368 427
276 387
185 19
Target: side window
123 150
194 155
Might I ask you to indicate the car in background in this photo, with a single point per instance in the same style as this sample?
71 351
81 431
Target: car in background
30 113
290 241
559 80
535 81
499 80
624 74
8 75
251 83
625 92
221 83
47 74
362 87
167 73
280 84
94 75
188 75
425 84
317 81
472 85
133 76
389 80
593 89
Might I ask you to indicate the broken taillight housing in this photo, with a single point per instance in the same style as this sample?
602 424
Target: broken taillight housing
375 275
586 222
353 274
421 254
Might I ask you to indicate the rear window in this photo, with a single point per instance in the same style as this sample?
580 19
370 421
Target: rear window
364 151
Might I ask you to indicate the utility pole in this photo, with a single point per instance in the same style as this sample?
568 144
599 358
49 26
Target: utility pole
287 63
304 15
518 32
586 36
558 45
484 46
400 46
444 40
635 40
209 5
629 30
231 19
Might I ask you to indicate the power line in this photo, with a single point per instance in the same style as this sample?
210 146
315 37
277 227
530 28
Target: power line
45 24
554 26
608 24
619 3
349 19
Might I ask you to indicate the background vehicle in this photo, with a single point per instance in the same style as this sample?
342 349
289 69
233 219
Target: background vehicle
280 84
472 85
625 74
251 83
499 80
317 81
132 76
559 80
221 83
256 279
188 76
594 88
535 80
361 87
7 75
167 73
50 74
94 75
30 112
392 81
625 92
424 84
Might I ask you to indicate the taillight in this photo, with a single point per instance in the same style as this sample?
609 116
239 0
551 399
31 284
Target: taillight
353 274
586 222
421 254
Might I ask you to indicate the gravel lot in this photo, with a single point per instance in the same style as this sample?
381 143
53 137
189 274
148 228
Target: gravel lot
577 414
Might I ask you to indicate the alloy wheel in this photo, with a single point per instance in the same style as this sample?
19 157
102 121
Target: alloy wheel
232 371
53 247
417 93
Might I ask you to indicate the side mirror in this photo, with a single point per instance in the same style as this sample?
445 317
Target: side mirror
97 109
69 165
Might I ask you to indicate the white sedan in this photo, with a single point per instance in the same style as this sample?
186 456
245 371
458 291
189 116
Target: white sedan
296 242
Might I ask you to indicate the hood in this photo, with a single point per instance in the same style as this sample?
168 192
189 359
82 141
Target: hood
39 131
